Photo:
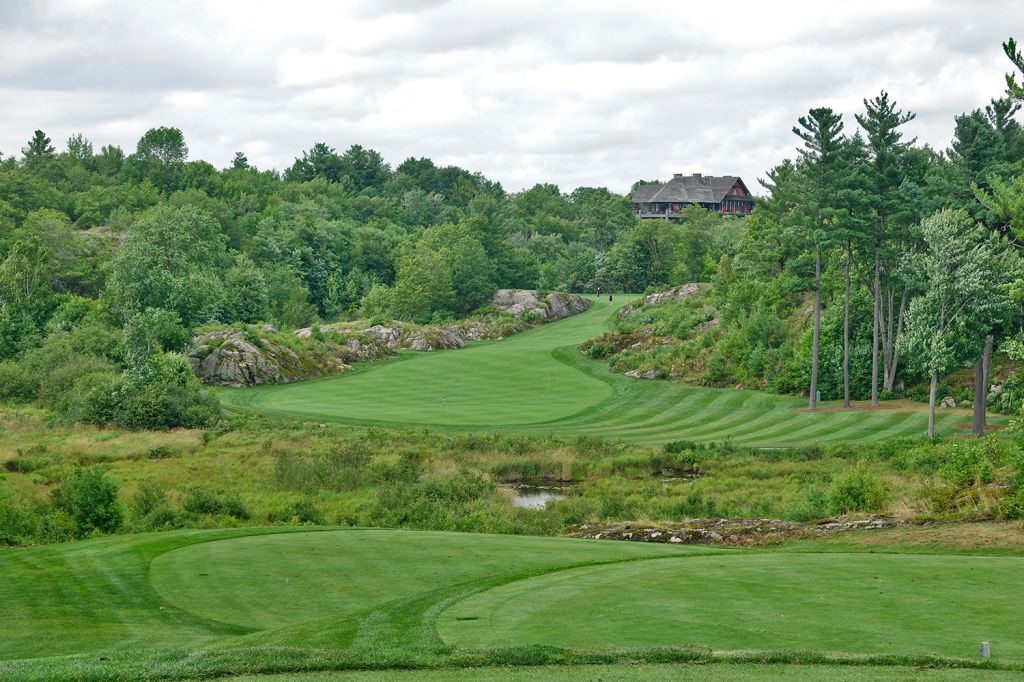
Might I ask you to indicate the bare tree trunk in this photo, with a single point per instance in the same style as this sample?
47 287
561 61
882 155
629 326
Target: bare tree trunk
931 404
812 402
890 371
846 331
876 322
978 417
986 363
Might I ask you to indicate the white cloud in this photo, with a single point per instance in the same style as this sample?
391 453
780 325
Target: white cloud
575 92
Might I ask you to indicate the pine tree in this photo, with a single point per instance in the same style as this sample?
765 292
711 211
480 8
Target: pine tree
886 149
38 148
821 131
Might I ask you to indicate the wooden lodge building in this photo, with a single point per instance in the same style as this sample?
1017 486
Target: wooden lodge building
725 193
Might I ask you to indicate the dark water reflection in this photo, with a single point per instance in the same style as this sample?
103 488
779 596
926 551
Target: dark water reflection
536 496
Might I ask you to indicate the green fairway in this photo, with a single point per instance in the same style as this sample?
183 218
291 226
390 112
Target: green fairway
537 383
211 603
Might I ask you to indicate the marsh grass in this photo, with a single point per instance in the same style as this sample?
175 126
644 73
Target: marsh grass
284 471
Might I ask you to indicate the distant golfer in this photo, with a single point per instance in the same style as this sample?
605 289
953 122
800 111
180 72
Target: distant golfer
609 298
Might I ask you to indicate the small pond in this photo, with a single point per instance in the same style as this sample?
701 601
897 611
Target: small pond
535 496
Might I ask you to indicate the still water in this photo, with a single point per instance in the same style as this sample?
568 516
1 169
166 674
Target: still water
536 496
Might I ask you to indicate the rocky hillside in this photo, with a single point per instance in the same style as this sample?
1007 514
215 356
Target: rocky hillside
253 355
665 335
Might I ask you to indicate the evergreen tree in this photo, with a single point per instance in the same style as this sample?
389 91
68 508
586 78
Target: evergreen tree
38 148
821 160
887 151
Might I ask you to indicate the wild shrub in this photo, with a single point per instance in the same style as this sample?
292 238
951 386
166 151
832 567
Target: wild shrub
404 469
686 460
17 525
970 463
16 382
162 395
304 511
55 389
150 508
89 497
25 465
814 506
34 522
148 497
204 502
856 490
159 452
439 504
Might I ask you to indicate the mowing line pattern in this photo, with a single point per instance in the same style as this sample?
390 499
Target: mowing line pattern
538 383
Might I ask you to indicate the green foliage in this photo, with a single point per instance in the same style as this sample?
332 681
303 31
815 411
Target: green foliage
855 490
169 262
246 295
89 497
35 522
150 508
205 502
162 394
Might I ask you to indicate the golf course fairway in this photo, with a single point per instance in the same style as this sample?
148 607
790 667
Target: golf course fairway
538 383
197 604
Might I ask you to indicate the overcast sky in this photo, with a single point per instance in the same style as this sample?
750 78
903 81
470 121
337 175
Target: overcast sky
575 93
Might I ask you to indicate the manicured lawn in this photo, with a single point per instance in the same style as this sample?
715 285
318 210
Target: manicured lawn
200 604
537 383
720 672
855 603
263 582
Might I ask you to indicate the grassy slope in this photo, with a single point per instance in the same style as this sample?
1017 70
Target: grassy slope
537 383
207 603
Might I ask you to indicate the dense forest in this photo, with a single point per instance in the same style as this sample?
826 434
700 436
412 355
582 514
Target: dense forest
871 260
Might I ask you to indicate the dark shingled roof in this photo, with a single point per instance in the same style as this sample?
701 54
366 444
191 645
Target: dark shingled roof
687 189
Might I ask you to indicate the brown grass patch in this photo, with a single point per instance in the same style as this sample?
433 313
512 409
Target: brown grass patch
984 536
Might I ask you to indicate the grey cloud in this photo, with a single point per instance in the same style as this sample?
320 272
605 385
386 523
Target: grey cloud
575 92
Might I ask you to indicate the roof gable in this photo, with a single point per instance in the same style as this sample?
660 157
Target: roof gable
689 189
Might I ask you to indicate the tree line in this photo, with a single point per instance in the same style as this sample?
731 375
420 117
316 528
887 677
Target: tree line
872 263
109 261
932 237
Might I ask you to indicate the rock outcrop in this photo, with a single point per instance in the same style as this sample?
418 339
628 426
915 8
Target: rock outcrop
733 532
554 306
231 357
673 295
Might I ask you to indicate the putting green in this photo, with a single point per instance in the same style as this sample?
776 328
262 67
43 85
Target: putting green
859 603
537 383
